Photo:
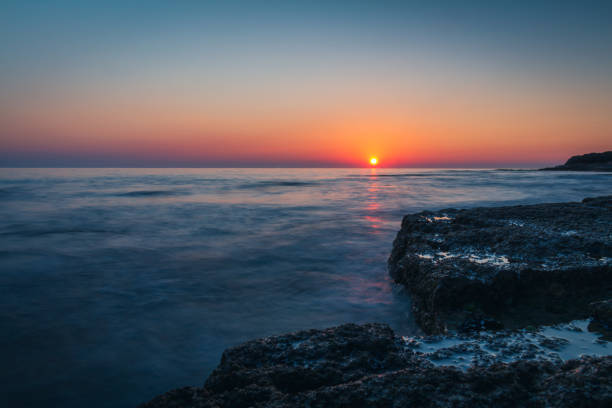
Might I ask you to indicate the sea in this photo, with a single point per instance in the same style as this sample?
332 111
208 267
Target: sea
120 284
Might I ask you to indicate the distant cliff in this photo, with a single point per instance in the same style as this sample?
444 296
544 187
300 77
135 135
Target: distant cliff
587 162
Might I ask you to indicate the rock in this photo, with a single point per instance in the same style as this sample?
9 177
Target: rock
586 162
602 315
519 266
602 311
368 366
307 360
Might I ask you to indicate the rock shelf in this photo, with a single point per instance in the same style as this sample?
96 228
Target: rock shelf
505 266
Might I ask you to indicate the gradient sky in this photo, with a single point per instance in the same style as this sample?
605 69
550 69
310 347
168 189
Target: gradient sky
281 83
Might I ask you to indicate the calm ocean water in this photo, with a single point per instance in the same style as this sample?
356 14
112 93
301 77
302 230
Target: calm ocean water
119 284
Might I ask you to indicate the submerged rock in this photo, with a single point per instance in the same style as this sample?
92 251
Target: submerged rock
586 162
369 366
518 266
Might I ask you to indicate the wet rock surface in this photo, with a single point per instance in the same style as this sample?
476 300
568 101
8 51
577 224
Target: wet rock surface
556 343
507 267
369 366
586 162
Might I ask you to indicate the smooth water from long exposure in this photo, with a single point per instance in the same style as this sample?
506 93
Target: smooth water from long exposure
120 284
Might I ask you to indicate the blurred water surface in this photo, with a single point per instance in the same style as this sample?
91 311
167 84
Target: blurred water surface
119 284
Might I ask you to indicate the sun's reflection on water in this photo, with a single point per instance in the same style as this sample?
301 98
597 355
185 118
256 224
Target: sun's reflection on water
373 204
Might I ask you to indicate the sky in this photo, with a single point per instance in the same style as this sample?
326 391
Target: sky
298 84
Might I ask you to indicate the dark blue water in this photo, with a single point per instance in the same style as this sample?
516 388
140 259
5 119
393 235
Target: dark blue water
119 284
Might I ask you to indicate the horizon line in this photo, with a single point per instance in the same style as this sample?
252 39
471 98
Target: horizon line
535 167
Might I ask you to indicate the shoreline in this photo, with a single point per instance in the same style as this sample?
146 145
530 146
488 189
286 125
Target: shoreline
368 365
489 287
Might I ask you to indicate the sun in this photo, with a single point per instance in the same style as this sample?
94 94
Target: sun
373 161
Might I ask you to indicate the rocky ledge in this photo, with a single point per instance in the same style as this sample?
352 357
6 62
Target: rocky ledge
369 366
488 268
586 162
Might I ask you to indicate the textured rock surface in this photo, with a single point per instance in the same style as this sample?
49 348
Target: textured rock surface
587 162
368 366
505 266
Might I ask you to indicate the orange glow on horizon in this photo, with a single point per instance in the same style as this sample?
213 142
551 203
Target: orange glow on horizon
152 131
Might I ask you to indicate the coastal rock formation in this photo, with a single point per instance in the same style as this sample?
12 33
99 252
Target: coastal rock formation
485 268
483 272
368 366
586 162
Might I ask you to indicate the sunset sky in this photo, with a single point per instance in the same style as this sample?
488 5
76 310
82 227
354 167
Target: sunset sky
282 83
